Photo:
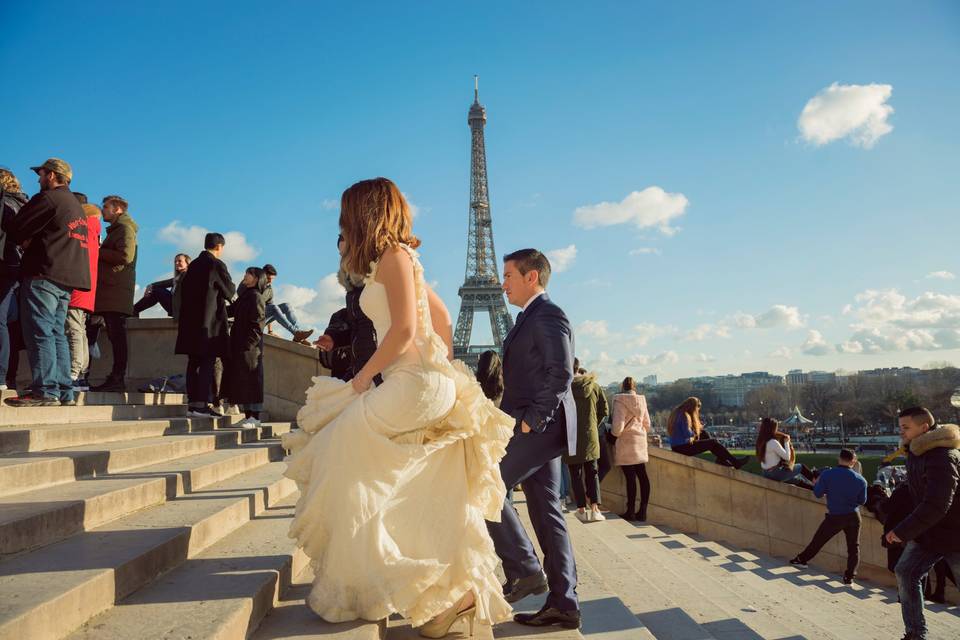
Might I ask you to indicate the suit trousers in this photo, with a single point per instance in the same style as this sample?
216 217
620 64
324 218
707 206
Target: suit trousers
533 461
200 380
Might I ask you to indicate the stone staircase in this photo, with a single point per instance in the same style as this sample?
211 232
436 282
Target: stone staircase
122 518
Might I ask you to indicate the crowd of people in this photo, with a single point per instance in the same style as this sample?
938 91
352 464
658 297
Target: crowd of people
61 284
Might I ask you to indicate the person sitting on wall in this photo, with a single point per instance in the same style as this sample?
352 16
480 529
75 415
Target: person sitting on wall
167 292
688 437
778 458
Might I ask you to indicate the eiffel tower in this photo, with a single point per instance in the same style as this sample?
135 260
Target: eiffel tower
481 286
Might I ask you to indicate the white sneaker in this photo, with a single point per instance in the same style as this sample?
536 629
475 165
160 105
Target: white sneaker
3 387
596 516
583 516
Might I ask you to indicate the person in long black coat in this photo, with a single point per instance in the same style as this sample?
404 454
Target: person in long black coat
245 360
203 329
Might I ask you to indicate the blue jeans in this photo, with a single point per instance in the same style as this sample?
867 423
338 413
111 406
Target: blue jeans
914 564
43 314
8 293
283 315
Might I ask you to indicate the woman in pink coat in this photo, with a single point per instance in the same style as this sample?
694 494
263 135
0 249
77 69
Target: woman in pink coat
631 423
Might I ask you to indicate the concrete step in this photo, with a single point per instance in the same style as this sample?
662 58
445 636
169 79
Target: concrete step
51 592
291 618
43 437
649 596
60 436
223 592
22 416
34 519
759 615
111 398
604 613
870 608
30 471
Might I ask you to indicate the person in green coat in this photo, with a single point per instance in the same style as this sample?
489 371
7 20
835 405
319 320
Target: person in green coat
591 410
116 281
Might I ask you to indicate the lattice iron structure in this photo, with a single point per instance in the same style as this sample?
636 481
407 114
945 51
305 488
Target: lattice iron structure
481 289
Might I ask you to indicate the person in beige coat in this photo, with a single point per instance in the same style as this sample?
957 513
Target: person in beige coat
631 424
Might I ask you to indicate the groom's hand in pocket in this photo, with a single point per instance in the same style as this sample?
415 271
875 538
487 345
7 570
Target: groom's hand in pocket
524 427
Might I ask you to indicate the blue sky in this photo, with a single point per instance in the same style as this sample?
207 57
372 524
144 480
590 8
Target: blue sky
781 241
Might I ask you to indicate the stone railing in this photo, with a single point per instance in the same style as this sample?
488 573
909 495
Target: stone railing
700 497
288 366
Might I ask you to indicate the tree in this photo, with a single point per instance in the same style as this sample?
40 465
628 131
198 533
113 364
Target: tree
821 397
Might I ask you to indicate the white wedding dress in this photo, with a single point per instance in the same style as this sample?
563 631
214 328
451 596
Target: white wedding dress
396 483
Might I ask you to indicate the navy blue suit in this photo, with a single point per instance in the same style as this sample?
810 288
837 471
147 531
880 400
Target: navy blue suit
537 372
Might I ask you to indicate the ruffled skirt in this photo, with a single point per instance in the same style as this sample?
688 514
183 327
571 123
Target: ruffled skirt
396 484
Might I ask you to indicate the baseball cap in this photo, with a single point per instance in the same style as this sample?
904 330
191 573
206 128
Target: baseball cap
57 166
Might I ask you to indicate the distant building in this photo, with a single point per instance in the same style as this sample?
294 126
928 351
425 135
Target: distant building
650 381
731 391
911 373
823 377
797 377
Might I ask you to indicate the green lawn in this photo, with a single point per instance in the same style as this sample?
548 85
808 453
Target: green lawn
870 464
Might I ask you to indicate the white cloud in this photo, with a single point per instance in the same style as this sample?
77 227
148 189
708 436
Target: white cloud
886 320
414 209
780 315
635 360
705 331
645 251
856 112
782 352
645 332
329 204
702 357
940 275
189 240
312 306
815 344
667 357
652 207
562 259
594 329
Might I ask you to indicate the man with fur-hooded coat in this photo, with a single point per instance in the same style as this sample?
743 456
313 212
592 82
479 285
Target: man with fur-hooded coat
932 530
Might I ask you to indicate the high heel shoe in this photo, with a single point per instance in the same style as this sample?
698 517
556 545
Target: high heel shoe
440 626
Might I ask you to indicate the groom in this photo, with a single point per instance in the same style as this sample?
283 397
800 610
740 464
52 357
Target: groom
537 371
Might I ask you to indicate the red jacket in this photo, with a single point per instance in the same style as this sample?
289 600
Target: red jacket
85 299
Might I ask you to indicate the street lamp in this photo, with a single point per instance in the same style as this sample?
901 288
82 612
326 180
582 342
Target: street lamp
843 435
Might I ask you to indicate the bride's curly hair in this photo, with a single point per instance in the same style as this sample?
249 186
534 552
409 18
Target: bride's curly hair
374 216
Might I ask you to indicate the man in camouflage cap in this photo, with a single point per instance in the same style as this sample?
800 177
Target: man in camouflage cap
52 230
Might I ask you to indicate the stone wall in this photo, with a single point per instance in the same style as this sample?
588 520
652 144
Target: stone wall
288 366
701 497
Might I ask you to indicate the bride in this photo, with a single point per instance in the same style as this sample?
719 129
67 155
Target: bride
397 480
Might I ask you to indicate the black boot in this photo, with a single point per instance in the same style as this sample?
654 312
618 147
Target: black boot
642 514
113 384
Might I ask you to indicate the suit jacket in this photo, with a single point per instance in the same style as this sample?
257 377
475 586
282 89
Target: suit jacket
202 326
538 369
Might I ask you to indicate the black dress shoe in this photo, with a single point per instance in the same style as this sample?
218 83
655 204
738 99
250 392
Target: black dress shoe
520 588
549 616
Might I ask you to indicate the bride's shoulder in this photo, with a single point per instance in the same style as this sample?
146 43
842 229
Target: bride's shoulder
397 258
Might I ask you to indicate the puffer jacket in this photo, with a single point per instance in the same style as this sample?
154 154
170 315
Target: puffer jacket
933 475
631 423
591 409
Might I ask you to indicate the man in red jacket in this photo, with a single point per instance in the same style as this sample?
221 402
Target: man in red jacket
81 302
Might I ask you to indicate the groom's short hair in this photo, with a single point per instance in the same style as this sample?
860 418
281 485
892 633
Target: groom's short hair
531 260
